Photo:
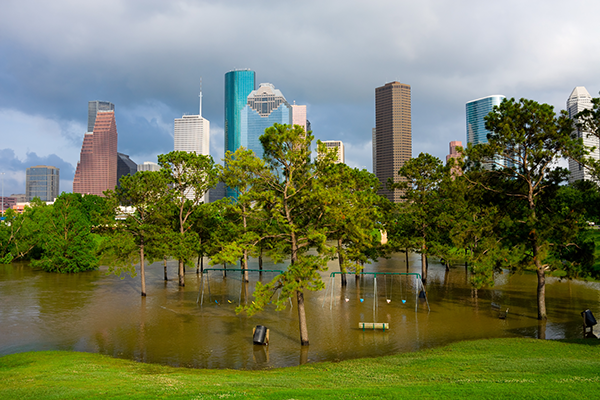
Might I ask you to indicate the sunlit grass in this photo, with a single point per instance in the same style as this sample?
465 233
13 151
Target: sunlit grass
497 368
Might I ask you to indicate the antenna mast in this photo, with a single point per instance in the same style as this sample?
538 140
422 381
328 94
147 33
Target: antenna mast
200 97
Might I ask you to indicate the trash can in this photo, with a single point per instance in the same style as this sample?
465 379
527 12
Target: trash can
588 318
260 335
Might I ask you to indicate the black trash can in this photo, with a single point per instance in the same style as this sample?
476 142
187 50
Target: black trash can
588 318
260 335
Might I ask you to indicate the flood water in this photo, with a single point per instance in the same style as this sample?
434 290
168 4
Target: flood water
93 312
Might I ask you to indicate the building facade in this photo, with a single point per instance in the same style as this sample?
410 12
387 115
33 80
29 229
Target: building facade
393 134
456 170
476 110
97 167
148 166
578 101
338 145
238 85
125 166
93 108
42 181
265 107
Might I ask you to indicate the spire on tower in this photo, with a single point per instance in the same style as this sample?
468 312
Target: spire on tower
200 112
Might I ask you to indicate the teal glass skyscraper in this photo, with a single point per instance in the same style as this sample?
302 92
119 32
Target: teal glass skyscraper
238 85
476 111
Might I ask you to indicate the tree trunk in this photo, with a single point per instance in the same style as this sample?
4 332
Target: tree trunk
406 253
341 262
541 293
245 266
165 266
142 269
198 264
423 265
302 318
181 273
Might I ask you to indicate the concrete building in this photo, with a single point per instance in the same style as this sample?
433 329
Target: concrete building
42 181
192 135
148 166
338 145
393 134
578 101
97 167
299 116
456 170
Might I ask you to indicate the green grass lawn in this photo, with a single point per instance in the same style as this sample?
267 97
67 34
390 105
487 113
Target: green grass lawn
493 369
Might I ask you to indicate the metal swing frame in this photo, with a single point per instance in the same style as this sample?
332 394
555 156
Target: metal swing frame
375 299
241 270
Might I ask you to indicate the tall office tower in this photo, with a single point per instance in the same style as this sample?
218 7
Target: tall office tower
476 111
192 135
239 84
266 106
578 101
125 166
338 145
299 116
374 145
42 181
393 134
456 170
97 167
94 107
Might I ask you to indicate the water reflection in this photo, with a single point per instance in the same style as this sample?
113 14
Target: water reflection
98 313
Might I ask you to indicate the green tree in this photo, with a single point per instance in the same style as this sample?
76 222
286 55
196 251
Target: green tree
189 176
525 142
423 205
66 238
292 195
140 225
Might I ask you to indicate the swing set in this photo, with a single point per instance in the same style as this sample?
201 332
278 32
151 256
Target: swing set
420 292
206 272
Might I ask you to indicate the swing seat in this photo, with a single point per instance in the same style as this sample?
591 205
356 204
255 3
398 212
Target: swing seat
374 325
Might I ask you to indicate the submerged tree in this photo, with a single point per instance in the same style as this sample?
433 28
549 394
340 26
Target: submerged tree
525 143
142 224
292 195
189 176
66 237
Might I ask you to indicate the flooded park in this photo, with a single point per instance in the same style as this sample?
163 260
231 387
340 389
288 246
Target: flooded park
198 327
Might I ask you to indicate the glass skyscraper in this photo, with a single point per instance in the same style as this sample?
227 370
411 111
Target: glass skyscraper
476 111
238 85
578 101
265 107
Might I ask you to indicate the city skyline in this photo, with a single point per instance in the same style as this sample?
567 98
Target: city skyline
52 68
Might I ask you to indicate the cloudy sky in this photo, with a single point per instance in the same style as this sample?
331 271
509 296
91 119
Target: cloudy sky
147 57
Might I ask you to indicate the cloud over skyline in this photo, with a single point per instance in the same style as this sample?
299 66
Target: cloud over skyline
147 57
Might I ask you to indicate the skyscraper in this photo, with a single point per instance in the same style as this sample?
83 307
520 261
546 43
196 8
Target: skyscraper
265 106
578 101
125 166
238 85
393 135
93 108
97 167
192 134
338 145
42 181
476 110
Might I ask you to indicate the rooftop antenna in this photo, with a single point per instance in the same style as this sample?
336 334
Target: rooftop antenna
200 114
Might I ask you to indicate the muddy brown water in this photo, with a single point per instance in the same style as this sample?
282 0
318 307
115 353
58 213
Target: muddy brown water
95 312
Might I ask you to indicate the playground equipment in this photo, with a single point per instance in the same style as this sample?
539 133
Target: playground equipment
420 289
206 273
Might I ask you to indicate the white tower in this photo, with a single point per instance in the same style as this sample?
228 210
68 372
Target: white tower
578 101
192 134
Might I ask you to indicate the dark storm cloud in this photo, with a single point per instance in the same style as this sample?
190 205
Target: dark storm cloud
147 58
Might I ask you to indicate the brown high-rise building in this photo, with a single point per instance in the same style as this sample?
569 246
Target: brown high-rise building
97 166
392 133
